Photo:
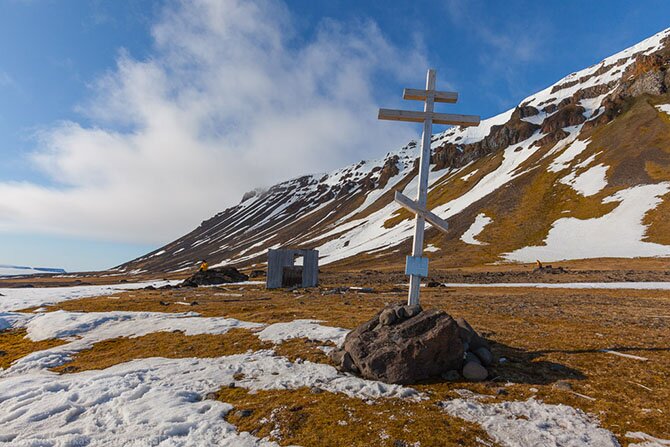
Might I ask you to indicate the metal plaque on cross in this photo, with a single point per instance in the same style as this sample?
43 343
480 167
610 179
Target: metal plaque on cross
416 265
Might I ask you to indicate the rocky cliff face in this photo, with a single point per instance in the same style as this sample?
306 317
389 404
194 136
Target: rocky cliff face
578 170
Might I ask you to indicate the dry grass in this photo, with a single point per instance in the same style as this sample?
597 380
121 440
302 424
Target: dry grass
257 305
14 344
548 335
302 348
162 344
325 419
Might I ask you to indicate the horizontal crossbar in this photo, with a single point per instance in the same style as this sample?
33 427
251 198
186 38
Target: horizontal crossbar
419 117
415 208
420 95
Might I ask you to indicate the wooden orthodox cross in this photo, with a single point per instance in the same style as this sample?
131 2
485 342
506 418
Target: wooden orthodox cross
417 266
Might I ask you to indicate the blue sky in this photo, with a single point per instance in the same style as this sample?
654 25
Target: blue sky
87 86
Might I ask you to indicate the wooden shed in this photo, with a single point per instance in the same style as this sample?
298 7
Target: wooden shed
283 271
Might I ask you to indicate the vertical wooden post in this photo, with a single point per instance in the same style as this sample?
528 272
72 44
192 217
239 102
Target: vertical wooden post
422 188
416 265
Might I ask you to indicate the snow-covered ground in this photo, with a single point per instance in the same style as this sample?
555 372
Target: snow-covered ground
156 401
310 329
15 299
152 401
159 401
532 423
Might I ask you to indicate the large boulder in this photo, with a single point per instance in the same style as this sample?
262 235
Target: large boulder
219 275
402 344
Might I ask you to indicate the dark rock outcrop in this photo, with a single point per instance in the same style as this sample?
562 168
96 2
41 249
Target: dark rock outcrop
220 275
402 344
514 131
567 115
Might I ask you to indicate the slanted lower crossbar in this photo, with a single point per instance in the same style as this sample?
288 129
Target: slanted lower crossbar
412 206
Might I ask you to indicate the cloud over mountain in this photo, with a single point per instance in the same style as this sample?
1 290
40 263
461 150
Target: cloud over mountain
230 99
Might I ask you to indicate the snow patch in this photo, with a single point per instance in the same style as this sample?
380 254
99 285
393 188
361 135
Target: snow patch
310 329
532 423
85 329
513 157
664 108
481 221
647 440
563 161
589 182
467 176
158 401
15 299
617 234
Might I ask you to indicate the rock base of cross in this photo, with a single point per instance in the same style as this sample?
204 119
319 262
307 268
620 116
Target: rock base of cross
405 344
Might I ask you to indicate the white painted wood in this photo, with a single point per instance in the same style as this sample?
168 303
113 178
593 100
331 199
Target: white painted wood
419 117
422 190
411 205
628 356
421 95
427 117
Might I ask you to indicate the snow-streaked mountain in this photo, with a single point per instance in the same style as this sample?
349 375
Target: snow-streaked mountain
16 270
578 170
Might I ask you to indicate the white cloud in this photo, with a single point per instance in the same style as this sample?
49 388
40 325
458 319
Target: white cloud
231 98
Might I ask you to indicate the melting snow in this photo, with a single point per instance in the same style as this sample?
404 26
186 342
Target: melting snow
150 401
158 253
160 401
157 401
617 234
563 161
591 105
481 221
310 329
532 423
467 176
85 329
513 157
15 299
664 108
589 182
647 441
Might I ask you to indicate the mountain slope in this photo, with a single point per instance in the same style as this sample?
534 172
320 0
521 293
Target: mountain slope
578 170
